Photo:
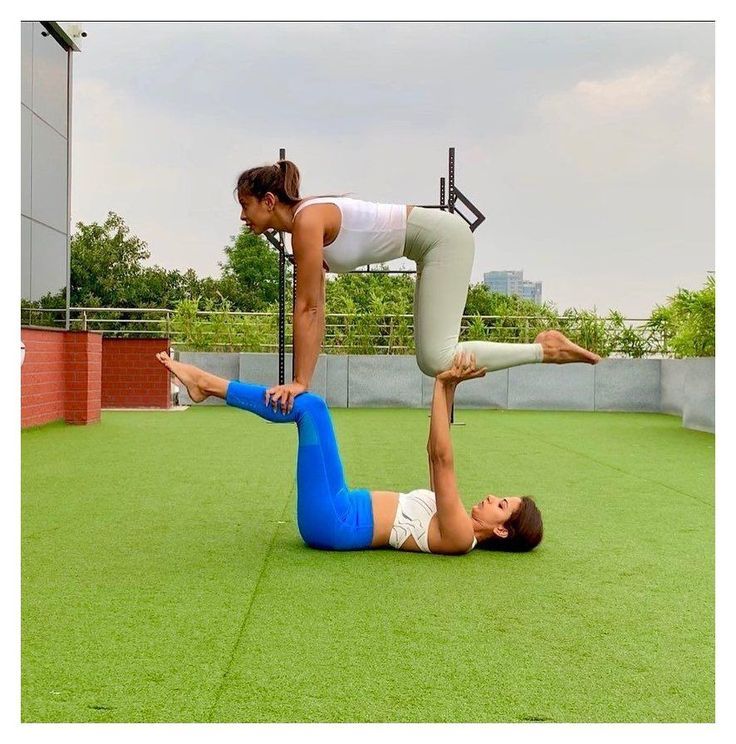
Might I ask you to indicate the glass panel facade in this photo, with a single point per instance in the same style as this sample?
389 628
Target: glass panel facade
25 258
49 177
44 153
48 261
26 123
49 80
26 63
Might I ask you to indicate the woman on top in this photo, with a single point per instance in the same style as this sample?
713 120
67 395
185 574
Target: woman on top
339 234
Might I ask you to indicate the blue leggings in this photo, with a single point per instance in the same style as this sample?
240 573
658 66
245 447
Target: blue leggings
329 514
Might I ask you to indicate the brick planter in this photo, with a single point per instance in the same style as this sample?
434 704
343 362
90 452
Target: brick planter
61 377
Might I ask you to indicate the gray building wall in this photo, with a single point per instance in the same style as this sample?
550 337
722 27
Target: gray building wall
532 291
44 212
503 282
512 283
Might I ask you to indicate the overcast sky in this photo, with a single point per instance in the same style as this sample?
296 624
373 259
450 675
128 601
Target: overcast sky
588 146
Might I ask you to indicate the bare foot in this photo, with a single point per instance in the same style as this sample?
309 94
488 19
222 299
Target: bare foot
558 349
187 374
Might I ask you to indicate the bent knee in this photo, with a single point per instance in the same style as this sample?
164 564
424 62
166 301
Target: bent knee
309 401
434 363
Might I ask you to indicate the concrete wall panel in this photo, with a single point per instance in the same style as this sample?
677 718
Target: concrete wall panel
491 391
568 387
337 381
672 385
627 385
384 381
699 405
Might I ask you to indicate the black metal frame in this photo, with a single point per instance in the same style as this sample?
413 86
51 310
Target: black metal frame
276 238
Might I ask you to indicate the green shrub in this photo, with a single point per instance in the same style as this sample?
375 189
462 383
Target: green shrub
687 322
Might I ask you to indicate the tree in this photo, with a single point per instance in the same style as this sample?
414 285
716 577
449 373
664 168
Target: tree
106 263
358 293
250 273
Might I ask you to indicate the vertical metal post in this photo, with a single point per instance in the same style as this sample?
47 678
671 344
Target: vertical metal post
451 181
69 54
293 307
282 156
442 192
282 297
282 313
451 208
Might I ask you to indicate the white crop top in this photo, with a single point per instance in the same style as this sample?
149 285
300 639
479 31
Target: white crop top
413 515
369 233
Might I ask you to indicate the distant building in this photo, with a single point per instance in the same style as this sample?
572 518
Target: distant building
513 283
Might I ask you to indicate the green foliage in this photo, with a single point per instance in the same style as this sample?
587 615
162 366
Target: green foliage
106 264
346 292
688 321
587 329
514 319
370 313
624 339
216 328
107 270
476 331
482 301
250 273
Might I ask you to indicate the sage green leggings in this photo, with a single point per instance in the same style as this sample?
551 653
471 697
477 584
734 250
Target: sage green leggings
442 246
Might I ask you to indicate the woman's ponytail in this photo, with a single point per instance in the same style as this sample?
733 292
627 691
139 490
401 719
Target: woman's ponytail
282 179
291 179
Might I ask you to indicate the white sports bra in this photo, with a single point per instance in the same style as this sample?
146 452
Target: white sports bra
413 515
370 232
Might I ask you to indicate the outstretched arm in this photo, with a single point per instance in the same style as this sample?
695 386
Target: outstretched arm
309 311
449 388
309 305
456 529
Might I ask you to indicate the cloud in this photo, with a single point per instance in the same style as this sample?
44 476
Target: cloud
705 93
638 89
673 81
656 118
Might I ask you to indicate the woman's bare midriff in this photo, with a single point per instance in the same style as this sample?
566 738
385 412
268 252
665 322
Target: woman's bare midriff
385 504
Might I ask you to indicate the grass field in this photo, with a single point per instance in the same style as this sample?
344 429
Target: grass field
163 578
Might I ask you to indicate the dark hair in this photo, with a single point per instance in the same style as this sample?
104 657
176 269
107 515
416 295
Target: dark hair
524 527
281 179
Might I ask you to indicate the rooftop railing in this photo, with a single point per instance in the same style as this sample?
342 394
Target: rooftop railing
356 333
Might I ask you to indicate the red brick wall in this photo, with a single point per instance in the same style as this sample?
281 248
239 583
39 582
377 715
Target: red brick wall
83 357
131 376
71 375
42 378
60 377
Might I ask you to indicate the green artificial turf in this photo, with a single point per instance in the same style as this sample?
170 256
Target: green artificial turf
163 578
